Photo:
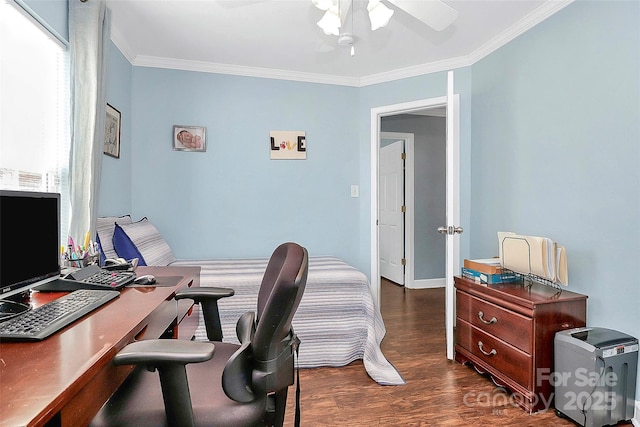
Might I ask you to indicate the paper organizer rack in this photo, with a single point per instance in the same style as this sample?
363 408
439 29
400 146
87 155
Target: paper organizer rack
538 258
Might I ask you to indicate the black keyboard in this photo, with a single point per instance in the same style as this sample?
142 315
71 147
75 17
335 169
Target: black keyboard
91 277
115 279
39 323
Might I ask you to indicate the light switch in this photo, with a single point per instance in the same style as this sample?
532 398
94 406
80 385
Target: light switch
355 190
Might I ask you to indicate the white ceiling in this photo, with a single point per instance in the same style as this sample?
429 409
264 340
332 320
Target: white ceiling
280 38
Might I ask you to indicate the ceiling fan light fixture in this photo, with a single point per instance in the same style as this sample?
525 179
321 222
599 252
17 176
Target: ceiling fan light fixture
330 22
379 14
347 40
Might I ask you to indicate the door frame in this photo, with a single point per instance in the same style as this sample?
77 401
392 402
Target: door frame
409 191
453 124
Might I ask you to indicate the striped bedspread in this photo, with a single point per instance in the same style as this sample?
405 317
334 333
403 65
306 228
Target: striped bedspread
337 321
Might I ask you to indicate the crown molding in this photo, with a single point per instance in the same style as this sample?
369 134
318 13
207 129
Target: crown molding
208 67
417 70
531 20
237 70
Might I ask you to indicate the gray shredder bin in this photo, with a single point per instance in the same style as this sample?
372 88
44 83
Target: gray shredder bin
595 375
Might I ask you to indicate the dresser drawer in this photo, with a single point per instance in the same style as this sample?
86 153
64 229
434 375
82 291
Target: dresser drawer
503 357
504 324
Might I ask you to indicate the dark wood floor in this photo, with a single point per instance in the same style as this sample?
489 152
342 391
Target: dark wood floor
438 392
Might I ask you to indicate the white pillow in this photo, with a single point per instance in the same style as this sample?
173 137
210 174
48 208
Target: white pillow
144 238
104 232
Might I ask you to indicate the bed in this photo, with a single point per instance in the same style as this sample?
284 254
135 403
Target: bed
337 321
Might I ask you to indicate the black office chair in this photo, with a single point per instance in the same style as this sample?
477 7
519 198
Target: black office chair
233 385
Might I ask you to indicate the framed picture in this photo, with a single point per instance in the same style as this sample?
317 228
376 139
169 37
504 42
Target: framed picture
189 138
288 145
112 133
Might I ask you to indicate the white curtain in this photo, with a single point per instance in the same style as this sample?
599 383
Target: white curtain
89 34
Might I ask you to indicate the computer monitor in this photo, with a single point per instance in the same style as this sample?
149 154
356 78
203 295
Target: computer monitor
29 245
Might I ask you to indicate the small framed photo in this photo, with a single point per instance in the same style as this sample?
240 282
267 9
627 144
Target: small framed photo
112 133
189 138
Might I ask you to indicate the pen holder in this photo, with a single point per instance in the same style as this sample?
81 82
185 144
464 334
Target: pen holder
84 262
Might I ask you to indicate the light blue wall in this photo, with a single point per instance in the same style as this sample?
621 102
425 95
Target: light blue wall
115 186
232 200
556 150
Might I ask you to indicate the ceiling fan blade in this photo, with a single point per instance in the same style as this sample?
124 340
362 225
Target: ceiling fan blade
434 13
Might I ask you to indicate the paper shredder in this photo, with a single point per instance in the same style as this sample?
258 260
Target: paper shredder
595 375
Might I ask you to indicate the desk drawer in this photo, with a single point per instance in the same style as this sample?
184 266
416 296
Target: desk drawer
504 324
495 352
187 327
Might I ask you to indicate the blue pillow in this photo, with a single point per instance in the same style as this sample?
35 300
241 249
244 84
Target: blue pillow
104 234
147 241
125 247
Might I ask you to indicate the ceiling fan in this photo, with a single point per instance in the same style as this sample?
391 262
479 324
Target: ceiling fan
433 13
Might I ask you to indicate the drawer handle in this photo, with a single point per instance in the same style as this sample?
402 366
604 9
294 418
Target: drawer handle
491 353
488 322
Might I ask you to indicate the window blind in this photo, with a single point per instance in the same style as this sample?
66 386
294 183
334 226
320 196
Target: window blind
34 107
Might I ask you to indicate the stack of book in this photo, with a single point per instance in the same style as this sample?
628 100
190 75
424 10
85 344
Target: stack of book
487 271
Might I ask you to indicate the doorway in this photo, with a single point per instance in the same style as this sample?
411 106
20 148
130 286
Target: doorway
451 103
425 196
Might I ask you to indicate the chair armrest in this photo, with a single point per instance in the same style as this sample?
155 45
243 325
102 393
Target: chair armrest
169 357
156 352
208 300
204 293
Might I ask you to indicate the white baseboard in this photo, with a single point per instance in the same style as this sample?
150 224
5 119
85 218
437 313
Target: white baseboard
427 284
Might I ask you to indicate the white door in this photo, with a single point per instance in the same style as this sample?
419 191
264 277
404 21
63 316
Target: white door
452 228
391 215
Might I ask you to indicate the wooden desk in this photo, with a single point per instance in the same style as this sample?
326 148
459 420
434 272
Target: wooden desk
66 378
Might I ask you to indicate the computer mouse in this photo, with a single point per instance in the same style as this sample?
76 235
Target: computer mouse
147 279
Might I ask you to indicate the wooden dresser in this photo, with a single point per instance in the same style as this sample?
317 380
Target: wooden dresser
507 331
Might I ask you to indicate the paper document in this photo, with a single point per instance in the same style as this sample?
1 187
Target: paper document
561 265
535 255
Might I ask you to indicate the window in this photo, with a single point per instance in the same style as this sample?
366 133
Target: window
34 107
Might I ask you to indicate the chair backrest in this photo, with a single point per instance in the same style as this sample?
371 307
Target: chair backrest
280 293
261 364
